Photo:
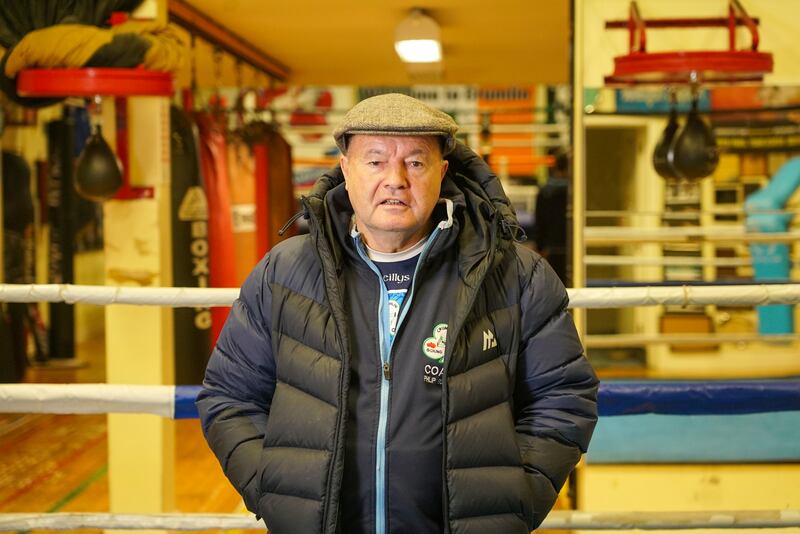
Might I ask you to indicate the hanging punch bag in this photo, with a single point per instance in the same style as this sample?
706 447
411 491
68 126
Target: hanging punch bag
695 153
663 155
99 174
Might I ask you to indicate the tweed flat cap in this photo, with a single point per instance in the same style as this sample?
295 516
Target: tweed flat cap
395 114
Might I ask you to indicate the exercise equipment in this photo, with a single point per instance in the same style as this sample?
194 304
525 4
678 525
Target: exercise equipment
694 150
98 175
663 154
274 189
61 209
18 262
640 66
190 250
17 19
214 170
242 184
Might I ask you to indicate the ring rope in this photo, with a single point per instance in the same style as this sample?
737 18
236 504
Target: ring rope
744 295
600 259
614 398
185 297
87 399
598 341
558 519
617 235
693 213
595 297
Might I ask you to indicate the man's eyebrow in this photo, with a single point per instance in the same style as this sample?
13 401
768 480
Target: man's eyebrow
375 152
419 152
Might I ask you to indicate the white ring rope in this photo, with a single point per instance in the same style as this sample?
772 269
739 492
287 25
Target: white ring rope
607 341
86 399
691 213
593 297
620 235
599 259
187 297
558 519
745 295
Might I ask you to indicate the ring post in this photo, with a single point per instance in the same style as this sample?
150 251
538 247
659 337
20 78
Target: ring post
141 449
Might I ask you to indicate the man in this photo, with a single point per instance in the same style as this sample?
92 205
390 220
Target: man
405 367
550 227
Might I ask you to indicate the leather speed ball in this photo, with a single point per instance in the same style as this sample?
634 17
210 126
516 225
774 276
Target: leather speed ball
663 155
695 153
99 174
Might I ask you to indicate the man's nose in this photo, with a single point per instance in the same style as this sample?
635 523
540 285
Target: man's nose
397 177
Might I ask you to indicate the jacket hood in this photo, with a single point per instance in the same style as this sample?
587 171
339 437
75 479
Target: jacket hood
484 221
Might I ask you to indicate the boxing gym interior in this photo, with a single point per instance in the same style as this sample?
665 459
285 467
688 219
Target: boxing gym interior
153 151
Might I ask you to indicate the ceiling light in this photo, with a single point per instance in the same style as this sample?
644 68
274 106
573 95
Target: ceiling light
416 39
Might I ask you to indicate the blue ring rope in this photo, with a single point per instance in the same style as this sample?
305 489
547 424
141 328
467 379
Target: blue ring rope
623 397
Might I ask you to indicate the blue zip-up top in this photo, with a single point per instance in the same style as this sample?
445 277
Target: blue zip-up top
385 342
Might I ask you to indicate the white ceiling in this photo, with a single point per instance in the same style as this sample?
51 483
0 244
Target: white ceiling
351 42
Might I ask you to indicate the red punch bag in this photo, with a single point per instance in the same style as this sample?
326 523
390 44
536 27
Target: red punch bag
261 175
274 190
241 176
283 204
222 254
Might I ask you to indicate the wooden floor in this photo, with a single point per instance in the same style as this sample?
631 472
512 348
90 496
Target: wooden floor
58 463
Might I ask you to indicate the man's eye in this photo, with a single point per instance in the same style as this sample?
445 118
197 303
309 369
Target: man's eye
415 164
373 163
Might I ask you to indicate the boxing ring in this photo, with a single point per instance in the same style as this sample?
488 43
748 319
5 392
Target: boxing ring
715 409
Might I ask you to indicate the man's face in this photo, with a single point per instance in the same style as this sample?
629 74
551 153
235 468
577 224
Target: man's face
393 183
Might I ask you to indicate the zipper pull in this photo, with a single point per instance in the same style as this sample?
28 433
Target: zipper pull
387 371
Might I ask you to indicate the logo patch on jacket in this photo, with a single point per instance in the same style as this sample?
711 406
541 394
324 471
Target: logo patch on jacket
433 348
489 341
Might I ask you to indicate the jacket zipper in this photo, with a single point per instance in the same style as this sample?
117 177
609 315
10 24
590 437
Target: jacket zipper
385 343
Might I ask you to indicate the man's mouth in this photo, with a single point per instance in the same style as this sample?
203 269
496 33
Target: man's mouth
393 202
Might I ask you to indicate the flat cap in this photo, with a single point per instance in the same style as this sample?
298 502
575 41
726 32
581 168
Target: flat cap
395 114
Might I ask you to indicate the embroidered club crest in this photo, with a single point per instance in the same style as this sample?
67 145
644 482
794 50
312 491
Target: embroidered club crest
433 347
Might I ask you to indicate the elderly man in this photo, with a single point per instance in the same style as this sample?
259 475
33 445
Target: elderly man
405 367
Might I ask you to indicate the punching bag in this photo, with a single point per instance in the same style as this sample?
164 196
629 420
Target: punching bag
98 175
192 326
274 189
60 205
281 188
241 181
18 256
695 153
663 154
214 170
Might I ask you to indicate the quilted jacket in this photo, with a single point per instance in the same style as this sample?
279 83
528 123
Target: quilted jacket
323 429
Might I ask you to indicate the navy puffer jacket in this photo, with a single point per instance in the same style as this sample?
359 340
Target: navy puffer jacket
292 405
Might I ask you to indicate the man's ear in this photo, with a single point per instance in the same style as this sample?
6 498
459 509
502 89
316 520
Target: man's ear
344 164
445 165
